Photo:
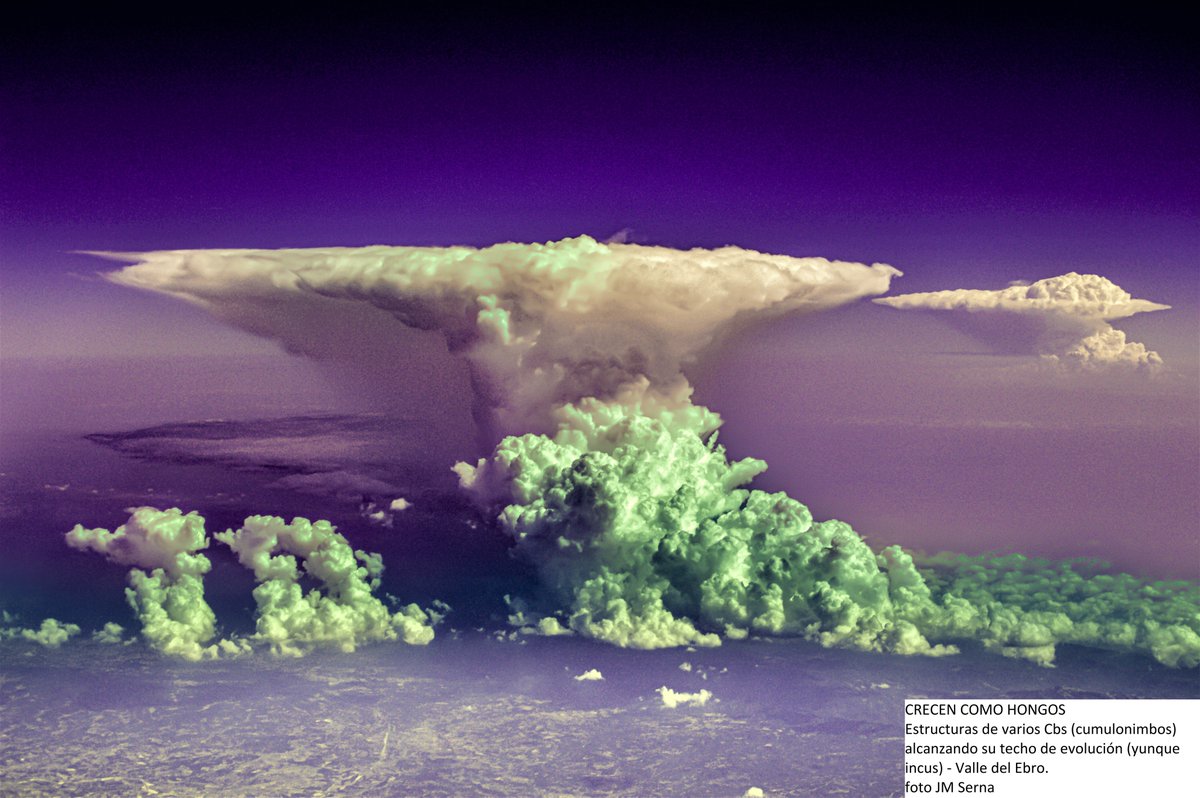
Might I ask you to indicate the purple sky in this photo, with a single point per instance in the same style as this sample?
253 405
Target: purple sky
966 155
963 151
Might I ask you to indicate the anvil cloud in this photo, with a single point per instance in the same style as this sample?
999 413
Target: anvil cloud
539 324
1063 319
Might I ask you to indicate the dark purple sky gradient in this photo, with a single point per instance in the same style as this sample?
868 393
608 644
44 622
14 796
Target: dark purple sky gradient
444 131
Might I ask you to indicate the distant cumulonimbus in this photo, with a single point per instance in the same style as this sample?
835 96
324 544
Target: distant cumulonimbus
1063 319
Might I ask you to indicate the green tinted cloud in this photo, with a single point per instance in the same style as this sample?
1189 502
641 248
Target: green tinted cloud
644 536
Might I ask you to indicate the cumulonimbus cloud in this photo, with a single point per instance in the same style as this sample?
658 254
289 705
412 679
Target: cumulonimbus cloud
610 481
1064 319
540 324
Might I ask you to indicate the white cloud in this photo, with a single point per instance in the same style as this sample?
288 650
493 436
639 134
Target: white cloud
671 698
541 324
111 633
166 583
1063 319
551 627
51 634
150 539
1085 295
591 675
343 612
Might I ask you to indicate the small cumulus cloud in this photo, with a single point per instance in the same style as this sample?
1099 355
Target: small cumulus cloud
110 633
591 675
51 634
551 627
672 699
1064 319
532 623
383 516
